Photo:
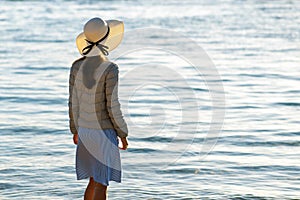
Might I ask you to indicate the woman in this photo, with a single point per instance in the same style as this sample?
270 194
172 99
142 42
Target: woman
96 119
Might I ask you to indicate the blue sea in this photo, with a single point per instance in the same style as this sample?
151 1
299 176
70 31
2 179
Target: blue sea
210 91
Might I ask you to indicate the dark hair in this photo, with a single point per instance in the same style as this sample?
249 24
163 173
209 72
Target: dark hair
88 71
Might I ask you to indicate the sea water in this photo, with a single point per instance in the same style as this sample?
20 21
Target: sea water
175 148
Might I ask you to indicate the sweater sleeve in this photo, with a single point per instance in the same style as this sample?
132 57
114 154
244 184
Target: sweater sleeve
73 103
112 103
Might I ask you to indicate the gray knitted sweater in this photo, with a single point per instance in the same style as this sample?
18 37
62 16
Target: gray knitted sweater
98 107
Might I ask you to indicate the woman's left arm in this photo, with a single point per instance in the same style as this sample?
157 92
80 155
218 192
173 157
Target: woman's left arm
73 103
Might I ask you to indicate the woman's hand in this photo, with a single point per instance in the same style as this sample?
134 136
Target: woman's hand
124 143
75 138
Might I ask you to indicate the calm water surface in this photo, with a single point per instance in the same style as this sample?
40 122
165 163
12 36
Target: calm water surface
253 44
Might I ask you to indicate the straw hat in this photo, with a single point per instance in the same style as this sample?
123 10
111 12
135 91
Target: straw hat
99 36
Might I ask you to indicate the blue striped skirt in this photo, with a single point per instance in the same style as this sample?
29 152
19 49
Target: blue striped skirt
98 156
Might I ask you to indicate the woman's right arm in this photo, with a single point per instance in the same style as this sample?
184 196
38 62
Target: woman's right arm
113 104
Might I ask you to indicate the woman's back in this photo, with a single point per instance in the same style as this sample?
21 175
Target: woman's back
95 95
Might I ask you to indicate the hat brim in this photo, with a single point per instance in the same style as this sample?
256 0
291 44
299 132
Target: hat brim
113 39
